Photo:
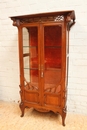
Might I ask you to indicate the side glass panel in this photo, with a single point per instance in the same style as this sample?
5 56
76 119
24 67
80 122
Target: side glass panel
30 57
52 50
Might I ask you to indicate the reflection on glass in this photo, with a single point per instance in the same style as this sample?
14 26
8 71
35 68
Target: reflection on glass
30 54
52 48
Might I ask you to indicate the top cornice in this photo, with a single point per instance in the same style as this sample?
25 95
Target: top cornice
67 16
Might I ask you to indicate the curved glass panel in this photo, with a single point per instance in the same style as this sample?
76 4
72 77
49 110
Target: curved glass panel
30 54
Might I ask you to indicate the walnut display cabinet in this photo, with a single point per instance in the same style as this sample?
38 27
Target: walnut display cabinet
43 55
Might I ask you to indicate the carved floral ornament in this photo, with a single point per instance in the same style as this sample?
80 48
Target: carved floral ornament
17 22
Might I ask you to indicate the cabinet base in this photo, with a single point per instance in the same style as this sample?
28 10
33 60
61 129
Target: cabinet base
62 113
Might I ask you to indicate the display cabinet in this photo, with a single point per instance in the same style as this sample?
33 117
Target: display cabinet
43 41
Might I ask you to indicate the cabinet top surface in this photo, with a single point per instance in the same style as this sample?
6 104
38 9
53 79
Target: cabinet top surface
65 13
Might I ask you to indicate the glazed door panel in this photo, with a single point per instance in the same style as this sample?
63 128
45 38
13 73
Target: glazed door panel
42 51
31 64
52 64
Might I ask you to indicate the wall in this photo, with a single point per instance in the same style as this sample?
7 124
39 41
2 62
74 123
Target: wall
9 66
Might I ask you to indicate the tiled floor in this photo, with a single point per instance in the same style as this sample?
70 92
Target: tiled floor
10 119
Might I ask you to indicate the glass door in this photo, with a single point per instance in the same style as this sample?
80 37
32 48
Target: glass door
52 64
31 62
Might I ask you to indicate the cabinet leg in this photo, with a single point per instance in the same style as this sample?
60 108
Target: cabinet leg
22 107
63 117
63 120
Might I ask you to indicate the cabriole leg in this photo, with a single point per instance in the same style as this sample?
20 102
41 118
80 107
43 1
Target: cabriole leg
22 107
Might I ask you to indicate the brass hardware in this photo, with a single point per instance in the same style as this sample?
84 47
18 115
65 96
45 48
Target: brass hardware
42 74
